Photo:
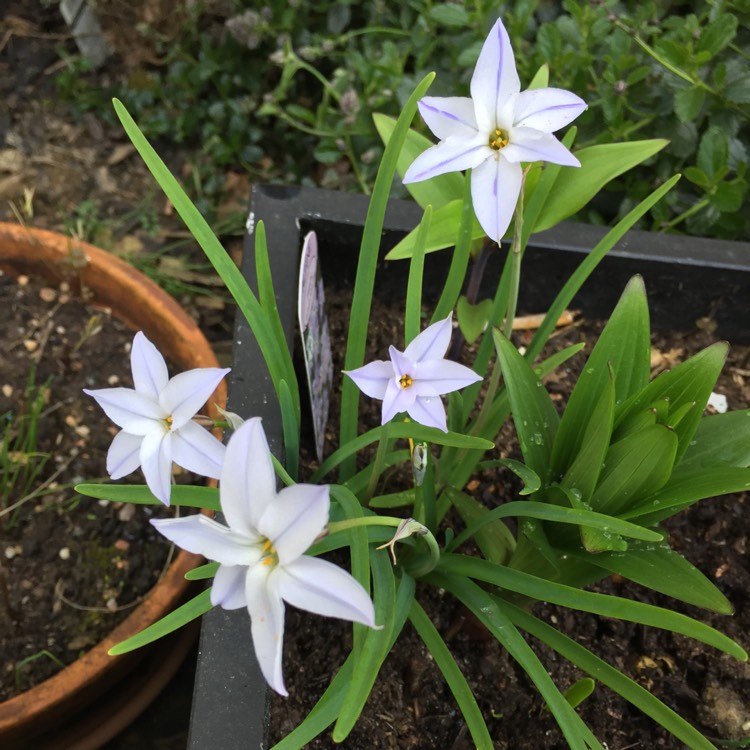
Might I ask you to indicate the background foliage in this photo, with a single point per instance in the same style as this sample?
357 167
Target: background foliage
287 91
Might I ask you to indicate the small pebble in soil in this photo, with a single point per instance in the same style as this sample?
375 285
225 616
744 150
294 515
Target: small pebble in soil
64 553
7 390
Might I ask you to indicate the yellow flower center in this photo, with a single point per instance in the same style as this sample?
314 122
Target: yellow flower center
270 557
499 139
405 381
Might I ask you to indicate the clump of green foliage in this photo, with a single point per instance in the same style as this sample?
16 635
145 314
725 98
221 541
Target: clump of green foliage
289 95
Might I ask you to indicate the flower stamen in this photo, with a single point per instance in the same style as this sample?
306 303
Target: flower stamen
499 139
405 381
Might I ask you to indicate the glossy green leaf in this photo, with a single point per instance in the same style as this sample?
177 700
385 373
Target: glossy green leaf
188 612
493 537
611 677
579 691
454 678
393 499
635 468
437 191
620 363
530 479
574 188
588 601
413 314
442 234
181 495
202 572
660 568
691 381
534 414
720 438
473 319
491 613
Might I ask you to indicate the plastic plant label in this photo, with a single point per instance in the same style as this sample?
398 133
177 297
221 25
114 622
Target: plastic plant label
316 338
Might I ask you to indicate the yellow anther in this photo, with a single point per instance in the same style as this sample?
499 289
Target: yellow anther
267 545
405 381
168 420
499 139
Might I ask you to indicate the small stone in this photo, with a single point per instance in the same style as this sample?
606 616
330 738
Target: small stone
7 390
64 553
83 431
122 544
47 295
113 380
12 551
71 421
30 345
22 280
81 641
111 604
126 512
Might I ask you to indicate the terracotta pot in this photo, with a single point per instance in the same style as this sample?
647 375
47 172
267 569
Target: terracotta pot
46 715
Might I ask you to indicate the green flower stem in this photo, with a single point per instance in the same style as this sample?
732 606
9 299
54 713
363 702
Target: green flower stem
515 261
337 527
377 466
699 206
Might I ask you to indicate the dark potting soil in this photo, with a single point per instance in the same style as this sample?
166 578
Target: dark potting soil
411 707
71 568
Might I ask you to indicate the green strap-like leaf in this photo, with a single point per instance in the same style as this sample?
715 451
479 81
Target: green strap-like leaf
588 601
413 316
436 191
574 188
619 363
189 611
181 495
490 612
534 415
660 568
611 677
453 677
720 439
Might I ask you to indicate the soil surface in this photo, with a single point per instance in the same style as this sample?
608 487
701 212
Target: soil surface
411 707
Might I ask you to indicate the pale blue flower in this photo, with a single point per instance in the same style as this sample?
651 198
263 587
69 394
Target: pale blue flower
495 130
412 381
156 420
261 552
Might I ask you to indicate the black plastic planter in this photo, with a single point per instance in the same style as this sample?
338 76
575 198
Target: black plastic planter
687 279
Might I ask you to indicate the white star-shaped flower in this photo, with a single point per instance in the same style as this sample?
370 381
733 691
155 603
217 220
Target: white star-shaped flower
412 381
495 130
156 420
261 552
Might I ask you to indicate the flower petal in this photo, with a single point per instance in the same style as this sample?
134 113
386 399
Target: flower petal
372 379
204 536
401 364
187 392
495 81
196 449
267 624
248 482
228 589
321 587
396 399
527 144
443 376
128 409
495 186
156 462
124 455
432 343
449 115
547 110
150 375
429 412
451 155
295 518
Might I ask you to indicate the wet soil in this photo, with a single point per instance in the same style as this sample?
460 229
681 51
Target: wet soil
411 707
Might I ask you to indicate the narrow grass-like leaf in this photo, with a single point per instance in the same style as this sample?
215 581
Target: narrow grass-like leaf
202 572
574 188
277 357
290 429
530 479
557 514
590 262
663 569
413 316
417 432
184 495
588 601
609 676
453 677
189 611
365 277
436 191
534 415
579 691
490 612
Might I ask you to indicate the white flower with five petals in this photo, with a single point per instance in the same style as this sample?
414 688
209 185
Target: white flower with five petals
156 420
495 130
261 551
413 380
